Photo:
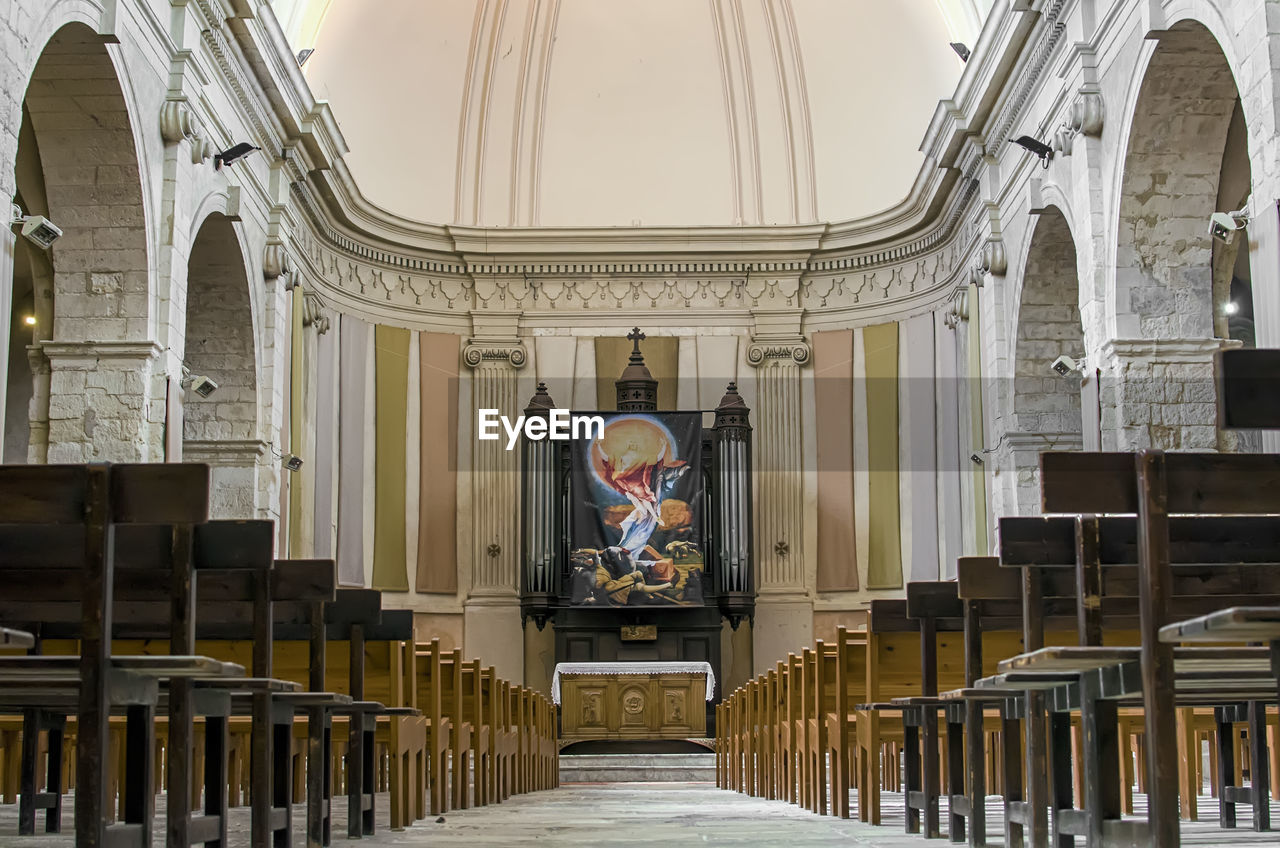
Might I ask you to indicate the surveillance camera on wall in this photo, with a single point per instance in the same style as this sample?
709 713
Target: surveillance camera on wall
1065 365
1223 226
36 229
203 386
292 462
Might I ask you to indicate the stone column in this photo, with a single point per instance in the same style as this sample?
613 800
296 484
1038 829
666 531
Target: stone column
492 624
233 485
1159 393
107 401
784 608
38 411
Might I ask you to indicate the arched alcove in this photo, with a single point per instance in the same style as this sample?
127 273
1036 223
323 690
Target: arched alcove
1046 404
1172 171
78 166
1185 158
221 429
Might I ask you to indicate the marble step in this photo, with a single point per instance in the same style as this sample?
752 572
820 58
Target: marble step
637 768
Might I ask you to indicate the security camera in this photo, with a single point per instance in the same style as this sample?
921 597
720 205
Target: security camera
292 462
1064 365
1223 226
36 229
203 386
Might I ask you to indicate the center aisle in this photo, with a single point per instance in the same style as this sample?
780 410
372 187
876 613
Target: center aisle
666 814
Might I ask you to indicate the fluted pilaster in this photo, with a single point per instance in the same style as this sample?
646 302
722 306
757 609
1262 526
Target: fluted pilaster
778 463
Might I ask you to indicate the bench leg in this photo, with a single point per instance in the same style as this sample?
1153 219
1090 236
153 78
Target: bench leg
1061 773
181 730
260 761
1259 778
139 797
367 819
215 775
911 745
1037 785
1226 767
282 774
955 776
976 772
1011 769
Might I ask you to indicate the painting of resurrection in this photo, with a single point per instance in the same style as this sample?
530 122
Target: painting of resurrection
637 512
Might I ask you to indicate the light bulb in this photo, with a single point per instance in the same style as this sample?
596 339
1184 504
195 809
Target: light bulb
1231 308
29 320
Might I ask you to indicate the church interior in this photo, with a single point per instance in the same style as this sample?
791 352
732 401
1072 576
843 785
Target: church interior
466 422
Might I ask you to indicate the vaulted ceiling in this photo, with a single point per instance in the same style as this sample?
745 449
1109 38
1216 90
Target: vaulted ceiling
617 112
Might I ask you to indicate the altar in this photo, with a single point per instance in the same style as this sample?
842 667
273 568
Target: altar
632 700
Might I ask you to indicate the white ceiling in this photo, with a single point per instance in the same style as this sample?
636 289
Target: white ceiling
617 112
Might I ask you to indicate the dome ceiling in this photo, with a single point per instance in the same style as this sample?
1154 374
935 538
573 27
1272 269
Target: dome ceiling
616 112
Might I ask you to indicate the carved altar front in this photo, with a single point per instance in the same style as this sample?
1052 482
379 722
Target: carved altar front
637 701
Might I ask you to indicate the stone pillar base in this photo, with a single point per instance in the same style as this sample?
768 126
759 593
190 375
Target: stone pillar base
783 625
492 633
1160 393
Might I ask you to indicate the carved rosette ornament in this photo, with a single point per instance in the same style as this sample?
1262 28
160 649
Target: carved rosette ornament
178 123
760 353
479 353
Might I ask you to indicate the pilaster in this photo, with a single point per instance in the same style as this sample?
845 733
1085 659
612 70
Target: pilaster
492 626
784 609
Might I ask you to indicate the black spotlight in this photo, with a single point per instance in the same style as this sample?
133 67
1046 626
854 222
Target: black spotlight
233 154
961 51
1042 151
304 55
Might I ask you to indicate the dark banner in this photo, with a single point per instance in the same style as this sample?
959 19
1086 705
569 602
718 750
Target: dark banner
637 512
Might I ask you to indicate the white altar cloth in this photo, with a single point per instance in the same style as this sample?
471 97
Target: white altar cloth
632 668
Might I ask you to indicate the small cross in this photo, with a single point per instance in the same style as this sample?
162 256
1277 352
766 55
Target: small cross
636 337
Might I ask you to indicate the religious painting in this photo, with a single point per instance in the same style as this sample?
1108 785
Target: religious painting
636 517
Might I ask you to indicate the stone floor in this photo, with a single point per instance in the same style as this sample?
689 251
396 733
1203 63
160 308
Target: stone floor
627 814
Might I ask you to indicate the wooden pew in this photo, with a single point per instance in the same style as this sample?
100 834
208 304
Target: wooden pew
1151 485
429 694
84 506
850 690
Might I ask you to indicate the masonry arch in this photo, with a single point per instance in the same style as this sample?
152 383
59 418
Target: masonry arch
221 429
88 293
1046 406
1173 168
1186 155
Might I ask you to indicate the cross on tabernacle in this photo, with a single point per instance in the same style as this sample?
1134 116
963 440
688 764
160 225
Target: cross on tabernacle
636 337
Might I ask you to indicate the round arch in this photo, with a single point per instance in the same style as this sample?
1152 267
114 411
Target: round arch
77 163
221 426
1045 404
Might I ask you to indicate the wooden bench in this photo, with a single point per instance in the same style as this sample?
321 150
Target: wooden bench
1151 485
85 505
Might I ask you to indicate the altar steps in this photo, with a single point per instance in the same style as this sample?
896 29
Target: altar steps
637 768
